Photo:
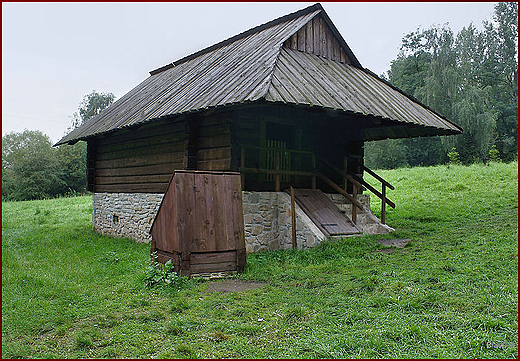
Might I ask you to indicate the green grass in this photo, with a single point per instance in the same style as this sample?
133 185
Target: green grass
68 292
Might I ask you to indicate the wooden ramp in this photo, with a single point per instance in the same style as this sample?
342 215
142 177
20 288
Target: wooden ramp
324 213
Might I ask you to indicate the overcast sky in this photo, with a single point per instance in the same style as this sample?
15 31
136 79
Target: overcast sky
55 53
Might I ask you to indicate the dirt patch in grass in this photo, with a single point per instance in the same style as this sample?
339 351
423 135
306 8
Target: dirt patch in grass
392 244
226 286
399 243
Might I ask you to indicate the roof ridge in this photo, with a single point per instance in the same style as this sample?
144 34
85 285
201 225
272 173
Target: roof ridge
241 35
271 73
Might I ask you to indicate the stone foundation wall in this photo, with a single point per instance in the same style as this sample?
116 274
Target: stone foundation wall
127 215
267 223
267 218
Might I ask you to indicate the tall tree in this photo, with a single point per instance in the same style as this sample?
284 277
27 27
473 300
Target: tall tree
470 78
74 157
92 104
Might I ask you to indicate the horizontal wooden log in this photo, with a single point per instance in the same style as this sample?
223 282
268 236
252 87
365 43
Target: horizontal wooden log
215 129
215 119
172 158
144 142
150 150
217 164
166 168
217 141
158 178
145 131
132 188
246 123
214 154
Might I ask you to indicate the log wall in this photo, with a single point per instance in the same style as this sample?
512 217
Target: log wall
137 161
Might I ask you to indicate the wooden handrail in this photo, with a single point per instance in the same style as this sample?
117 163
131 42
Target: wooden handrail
376 192
373 174
345 175
357 182
354 201
360 182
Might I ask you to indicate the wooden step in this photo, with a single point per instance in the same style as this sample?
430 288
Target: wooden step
324 213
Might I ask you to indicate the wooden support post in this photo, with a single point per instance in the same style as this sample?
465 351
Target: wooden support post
241 259
345 180
293 219
354 208
313 179
277 176
383 203
242 166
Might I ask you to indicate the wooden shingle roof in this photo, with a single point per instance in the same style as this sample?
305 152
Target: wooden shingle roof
259 64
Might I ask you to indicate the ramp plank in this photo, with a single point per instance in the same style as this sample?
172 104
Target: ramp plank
324 213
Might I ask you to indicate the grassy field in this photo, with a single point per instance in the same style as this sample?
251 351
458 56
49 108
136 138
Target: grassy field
452 292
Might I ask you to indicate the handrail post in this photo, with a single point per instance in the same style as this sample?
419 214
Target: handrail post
277 176
383 204
313 179
354 210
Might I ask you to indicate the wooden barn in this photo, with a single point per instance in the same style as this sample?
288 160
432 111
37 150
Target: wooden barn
285 104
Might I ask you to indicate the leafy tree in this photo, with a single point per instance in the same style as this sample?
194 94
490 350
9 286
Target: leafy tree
472 79
30 167
74 157
91 105
33 169
385 154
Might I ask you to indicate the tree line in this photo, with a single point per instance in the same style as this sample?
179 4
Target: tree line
472 79
33 169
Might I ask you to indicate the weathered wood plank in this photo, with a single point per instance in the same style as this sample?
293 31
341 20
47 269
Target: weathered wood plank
216 164
237 211
216 141
213 267
213 257
132 188
309 48
214 154
216 129
167 168
148 131
324 213
156 159
293 41
144 142
157 178
301 39
141 151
